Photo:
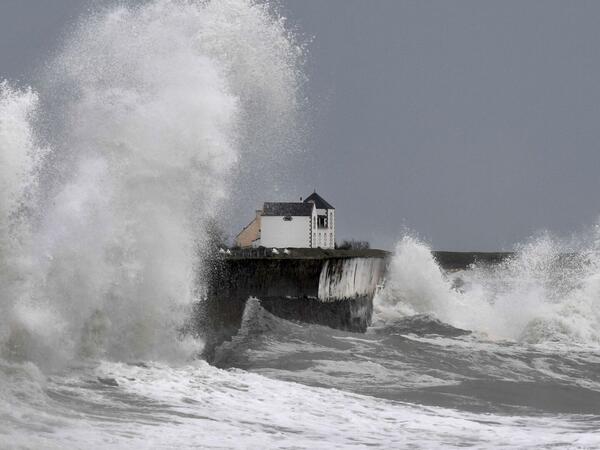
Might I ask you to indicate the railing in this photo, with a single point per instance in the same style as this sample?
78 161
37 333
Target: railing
300 253
260 252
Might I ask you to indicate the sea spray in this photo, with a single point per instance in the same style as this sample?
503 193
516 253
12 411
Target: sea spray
149 108
20 158
349 278
542 294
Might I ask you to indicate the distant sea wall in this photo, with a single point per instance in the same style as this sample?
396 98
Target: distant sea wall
462 260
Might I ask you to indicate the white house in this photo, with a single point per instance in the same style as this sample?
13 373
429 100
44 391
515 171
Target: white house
307 224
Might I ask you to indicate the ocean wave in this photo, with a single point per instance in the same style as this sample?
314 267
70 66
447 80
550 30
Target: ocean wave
541 294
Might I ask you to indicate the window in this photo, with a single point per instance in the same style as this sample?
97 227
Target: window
322 221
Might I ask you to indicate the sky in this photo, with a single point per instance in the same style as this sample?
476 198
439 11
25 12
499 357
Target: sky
474 124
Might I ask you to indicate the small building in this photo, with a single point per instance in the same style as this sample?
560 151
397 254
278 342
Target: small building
306 224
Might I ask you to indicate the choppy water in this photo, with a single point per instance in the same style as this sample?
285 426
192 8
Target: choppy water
109 169
418 383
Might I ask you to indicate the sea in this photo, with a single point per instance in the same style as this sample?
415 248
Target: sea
111 163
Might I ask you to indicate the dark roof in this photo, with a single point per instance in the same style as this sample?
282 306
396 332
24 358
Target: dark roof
287 209
319 201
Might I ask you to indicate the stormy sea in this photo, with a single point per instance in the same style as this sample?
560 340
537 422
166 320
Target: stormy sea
109 167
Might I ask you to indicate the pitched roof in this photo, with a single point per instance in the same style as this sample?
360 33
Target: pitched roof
319 201
287 209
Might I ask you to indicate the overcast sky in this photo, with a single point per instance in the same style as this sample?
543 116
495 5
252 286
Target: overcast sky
473 123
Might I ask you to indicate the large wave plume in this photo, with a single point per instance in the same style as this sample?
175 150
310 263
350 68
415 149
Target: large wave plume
143 114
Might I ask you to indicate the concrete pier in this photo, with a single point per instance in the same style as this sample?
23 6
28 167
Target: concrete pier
334 288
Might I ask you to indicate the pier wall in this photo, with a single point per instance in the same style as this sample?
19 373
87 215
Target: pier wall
328 287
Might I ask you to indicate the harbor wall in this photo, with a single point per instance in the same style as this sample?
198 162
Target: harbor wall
334 288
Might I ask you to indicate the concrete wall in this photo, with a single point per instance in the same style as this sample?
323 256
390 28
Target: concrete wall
335 291
276 232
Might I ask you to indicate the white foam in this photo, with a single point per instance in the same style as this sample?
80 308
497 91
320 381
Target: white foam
201 406
19 159
537 296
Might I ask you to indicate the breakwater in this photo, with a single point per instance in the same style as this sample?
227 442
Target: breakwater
462 260
328 287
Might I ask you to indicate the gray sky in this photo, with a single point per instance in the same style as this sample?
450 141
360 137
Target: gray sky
473 123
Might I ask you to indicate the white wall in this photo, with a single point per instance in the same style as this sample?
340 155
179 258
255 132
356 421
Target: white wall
276 232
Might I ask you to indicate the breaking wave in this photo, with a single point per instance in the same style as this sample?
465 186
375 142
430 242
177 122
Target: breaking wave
543 293
142 115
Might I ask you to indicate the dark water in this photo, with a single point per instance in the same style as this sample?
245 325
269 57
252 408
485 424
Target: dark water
420 360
